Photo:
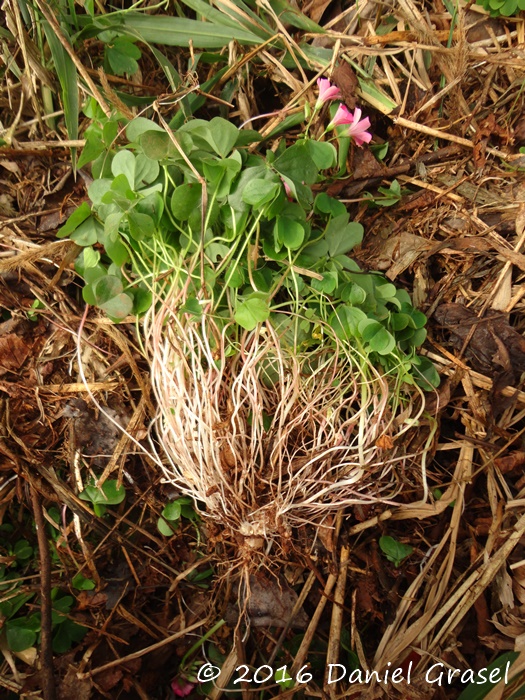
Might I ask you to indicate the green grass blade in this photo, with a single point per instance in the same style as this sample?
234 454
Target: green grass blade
241 13
67 76
211 14
177 31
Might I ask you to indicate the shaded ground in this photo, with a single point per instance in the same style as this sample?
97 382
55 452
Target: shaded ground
454 240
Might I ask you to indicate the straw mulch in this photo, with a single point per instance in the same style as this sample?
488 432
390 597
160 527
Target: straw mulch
455 241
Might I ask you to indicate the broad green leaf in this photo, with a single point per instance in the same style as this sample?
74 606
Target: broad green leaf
185 199
124 164
18 636
122 55
327 284
342 236
156 144
80 214
426 374
106 288
23 550
87 233
297 164
345 321
289 232
91 257
165 528
172 511
67 634
81 583
393 550
117 251
94 146
109 494
224 135
146 170
324 204
118 307
258 192
141 226
140 125
382 342
252 310
323 154
98 189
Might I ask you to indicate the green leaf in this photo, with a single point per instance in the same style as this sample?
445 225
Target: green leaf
327 284
23 550
87 233
258 192
253 310
185 199
123 55
118 307
117 251
164 528
141 226
289 232
105 288
67 634
345 321
393 550
224 135
109 494
323 154
80 214
324 204
172 511
93 147
382 342
342 236
139 126
82 584
297 164
478 690
158 145
19 637
124 164
67 75
177 31
146 170
91 257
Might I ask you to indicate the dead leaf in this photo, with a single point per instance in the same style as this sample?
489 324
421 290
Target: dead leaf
510 462
315 9
384 442
346 80
13 353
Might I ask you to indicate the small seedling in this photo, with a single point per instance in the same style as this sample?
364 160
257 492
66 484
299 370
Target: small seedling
394 551
109 494
172 513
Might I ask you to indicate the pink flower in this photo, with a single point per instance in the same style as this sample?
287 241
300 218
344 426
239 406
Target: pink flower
181 687
342 116
327 92
357 127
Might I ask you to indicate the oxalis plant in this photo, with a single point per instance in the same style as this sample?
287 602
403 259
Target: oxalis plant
287 379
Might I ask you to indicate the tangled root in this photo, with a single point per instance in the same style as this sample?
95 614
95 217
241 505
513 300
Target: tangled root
265 436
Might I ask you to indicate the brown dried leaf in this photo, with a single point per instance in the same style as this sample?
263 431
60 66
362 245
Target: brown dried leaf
510 462
346 80
13 353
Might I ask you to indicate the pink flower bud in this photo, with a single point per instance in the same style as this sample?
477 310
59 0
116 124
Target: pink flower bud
327 92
